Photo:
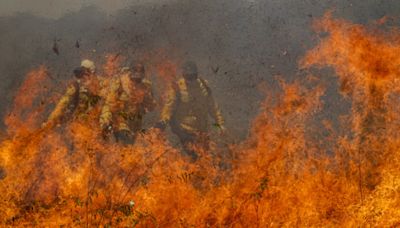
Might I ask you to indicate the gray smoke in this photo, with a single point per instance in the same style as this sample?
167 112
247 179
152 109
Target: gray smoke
238 44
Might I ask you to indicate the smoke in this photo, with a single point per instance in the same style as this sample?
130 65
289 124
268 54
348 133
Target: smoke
239 45
58 8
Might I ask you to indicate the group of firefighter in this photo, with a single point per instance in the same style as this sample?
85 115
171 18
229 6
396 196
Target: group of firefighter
126 97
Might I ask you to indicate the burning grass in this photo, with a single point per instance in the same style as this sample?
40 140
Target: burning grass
69 176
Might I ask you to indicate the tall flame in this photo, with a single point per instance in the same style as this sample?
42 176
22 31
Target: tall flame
279 176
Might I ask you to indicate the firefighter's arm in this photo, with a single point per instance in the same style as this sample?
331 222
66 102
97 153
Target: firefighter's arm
170 102
149 101
110 100
62 105
105 116
213 109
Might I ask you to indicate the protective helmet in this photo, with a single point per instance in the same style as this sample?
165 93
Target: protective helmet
189 70
125 70
88 64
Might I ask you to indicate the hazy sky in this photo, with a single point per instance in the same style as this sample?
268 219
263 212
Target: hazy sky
57 8
244 42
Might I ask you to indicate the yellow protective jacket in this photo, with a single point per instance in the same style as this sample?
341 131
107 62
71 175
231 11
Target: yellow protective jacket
188 105
78 99
126 103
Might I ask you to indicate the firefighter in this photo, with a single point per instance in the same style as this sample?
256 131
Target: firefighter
80 97
129 98
189 103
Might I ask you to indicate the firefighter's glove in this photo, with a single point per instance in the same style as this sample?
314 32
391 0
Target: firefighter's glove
221 128
161 125
106 131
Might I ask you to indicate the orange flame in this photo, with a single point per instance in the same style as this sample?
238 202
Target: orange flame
279 176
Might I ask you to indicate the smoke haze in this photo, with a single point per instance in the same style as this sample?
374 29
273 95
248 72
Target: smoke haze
239 45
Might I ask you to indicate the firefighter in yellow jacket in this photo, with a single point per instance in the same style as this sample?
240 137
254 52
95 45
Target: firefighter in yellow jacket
129 98
188 104
80 97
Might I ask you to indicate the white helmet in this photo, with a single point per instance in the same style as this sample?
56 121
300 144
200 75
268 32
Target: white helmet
125 70
86 63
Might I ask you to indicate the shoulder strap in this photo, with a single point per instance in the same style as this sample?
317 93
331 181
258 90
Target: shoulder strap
204 87
75 97
125 84
182 90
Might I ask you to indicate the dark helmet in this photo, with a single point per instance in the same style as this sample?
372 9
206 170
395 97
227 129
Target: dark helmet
81 72
138 71
189 70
